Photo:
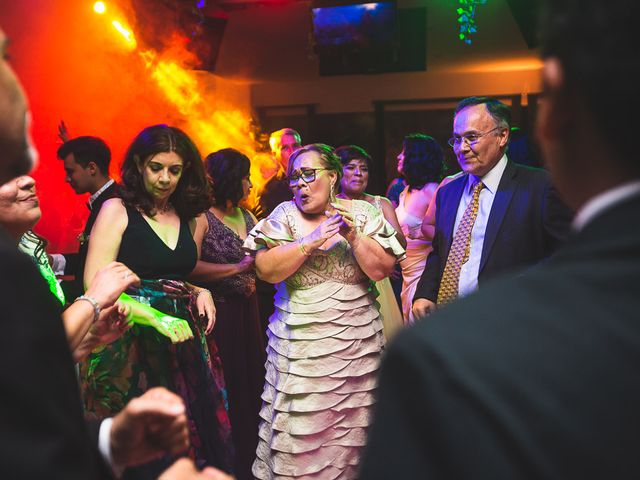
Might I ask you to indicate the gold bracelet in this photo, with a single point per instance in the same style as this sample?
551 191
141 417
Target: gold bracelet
302 249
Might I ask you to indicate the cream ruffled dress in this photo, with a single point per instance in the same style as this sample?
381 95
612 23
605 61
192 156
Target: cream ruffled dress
325 343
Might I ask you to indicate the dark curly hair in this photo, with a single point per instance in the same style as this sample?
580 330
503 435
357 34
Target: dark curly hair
423 160
328 156
346 153
227 168
193 193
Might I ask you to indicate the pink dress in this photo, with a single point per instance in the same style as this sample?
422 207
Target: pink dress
418 249
325 343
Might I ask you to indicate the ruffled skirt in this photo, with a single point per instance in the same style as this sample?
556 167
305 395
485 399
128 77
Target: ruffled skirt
322 359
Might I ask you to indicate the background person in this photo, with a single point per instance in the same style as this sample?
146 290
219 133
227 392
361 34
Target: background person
420 163
85 330
86 164
229 273
498 217
356 164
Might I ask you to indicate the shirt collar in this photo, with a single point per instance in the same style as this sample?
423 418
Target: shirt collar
93 197
492 179
603 201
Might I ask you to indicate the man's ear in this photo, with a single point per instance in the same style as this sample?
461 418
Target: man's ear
92 168
555 111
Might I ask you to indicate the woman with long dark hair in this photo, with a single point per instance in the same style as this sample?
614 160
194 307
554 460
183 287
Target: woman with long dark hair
229 274
149 228
420 162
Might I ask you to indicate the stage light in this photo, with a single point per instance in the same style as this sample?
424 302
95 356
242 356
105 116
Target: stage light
99 8
126 34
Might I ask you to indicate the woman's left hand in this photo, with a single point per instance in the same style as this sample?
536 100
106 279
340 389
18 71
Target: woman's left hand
348 226
206 308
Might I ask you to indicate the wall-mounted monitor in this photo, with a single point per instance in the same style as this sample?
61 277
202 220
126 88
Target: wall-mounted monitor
352 37
360 26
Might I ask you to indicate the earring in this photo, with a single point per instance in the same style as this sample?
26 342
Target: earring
332 193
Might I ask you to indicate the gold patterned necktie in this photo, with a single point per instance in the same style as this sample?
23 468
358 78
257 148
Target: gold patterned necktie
459 251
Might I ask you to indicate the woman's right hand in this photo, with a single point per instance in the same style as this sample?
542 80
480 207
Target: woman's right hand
176 329
323 232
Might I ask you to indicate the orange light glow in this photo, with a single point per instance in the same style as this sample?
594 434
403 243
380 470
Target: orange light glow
501 66
212 122
99 8
126 34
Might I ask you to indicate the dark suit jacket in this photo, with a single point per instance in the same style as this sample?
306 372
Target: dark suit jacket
75 261
527 222
42 432
532 377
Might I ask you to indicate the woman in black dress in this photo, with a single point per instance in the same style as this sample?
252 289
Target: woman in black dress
229 273
149 229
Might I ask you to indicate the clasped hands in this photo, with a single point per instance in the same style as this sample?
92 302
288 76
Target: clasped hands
339 221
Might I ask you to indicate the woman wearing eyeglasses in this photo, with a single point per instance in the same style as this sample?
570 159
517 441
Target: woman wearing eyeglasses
420 162
325 337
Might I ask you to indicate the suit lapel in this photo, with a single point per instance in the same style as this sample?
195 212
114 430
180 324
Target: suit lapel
110 192
449 206
501 202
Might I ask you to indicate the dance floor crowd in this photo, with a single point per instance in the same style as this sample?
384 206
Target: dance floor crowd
462 326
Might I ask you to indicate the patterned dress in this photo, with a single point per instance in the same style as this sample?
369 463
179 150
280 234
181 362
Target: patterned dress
143 358
325 343
238 336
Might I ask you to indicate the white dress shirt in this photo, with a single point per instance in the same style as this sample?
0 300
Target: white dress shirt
603 201
468 281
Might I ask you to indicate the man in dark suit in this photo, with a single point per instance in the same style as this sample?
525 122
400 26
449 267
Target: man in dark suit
537 376
505 216
86 165
283 143
42 433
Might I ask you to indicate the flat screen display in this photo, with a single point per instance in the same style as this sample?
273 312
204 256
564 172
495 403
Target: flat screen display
364 26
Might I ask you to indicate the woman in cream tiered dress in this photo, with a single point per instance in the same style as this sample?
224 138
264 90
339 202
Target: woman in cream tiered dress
325 337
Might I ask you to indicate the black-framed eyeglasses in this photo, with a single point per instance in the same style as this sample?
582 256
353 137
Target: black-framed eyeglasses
308 175
469 138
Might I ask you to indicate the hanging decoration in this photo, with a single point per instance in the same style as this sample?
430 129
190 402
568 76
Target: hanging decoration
466 13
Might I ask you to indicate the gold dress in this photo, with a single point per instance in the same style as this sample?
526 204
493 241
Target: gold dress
325 342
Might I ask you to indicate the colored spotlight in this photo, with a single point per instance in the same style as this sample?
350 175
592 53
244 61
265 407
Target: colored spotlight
99 8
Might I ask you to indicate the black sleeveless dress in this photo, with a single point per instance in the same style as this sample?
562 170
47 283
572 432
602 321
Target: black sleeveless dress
143 358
